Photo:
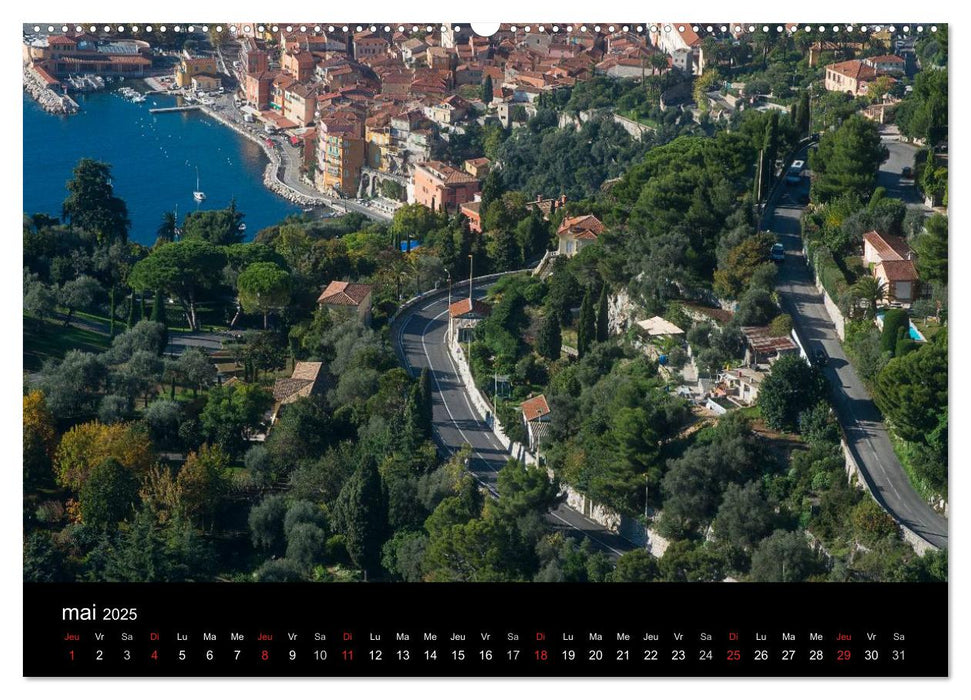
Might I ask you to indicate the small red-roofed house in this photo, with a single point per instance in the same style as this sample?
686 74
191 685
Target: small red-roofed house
464 315
346 297
890 260
578 231
536 417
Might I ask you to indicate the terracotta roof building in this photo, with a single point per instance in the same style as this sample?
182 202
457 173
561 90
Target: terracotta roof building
536 416
441 187
345 296
306 380
547 206
473 212
854 77
578 231
477 167
890 260
878 248
464 315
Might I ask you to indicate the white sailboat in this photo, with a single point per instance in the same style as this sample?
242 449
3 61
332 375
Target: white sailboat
198 194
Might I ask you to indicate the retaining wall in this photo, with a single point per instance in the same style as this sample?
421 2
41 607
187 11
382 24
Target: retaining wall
623 525
918 543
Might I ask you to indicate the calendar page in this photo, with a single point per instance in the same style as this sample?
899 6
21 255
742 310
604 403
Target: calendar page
454 349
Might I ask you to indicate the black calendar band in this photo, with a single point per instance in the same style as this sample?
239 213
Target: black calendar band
501 630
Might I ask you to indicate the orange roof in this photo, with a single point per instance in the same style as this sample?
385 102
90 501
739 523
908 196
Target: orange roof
535 408
303 382
45 76
888 247
886 58
855 69
446 173
587 227
471 207
465 306
899 270
344 294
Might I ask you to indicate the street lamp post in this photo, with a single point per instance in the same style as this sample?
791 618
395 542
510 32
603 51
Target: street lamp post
449 303
469 344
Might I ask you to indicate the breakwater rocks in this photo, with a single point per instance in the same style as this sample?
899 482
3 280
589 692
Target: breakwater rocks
272 178
49 100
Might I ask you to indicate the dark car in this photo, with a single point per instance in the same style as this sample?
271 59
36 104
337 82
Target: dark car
907 173
819 357
778 253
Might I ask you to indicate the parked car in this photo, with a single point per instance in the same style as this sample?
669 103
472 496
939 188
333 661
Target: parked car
819 356
907 173
778 253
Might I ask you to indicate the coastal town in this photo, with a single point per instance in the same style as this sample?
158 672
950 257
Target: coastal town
619 302
352 115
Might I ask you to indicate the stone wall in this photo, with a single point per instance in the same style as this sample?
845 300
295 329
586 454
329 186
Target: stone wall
918 543
627 527
634 128
833 310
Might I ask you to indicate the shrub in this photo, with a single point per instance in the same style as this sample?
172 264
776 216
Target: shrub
895 321
781 325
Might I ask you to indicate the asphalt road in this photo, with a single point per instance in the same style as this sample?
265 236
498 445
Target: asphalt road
419 341
862 423
901 155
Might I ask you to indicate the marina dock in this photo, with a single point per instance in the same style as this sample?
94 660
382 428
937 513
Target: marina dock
183 108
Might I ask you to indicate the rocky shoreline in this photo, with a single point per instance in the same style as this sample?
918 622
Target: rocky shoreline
49 100
271 174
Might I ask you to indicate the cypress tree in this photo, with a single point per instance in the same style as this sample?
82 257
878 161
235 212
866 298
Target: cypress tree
603 326
587 328
111 311
549 342
158 314
157 308
361 514
131 309
770 150
425 400
802 114
492 189
487 93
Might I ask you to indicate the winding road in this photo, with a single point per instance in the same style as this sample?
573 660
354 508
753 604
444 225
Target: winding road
418 335
866 434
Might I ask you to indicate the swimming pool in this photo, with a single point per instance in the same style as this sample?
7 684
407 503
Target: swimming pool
914 333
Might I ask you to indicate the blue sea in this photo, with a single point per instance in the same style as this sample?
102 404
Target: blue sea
153 158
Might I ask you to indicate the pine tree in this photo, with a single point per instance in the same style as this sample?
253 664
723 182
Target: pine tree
361 514
549 342
603 318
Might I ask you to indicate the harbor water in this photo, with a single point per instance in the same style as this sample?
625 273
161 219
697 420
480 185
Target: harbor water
153 159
